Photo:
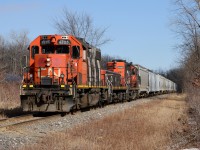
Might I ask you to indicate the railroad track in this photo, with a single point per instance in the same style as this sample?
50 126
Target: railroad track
13 122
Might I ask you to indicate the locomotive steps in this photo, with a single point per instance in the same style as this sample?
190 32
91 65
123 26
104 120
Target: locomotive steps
149 123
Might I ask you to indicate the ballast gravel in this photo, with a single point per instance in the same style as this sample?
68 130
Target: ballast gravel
16 137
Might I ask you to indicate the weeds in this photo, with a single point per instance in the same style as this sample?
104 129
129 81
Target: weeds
9 99
149 126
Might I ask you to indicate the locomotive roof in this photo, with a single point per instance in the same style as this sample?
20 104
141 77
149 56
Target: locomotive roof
144 68
86 44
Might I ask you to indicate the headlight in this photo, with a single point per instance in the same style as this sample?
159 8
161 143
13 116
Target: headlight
62 75
48 64
62 86
48 59
31 86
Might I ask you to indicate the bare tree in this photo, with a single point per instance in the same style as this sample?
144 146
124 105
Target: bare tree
176 75
107 58
18 48
188 28
3 66
81 25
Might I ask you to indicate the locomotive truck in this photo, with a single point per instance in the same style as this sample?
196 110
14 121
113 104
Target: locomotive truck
64 73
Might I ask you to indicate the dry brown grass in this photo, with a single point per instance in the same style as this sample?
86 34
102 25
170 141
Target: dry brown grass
145 127
9 97
194 103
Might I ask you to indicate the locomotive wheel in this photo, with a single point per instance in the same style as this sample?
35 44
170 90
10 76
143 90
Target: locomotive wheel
100 103
124 97
133 95
105 100
93 99
120 97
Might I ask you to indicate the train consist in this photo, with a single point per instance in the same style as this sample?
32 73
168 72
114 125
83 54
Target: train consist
64 73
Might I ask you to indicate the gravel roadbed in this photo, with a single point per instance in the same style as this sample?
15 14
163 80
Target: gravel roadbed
16 137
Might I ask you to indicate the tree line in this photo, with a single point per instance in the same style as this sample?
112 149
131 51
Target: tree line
12 52
187 28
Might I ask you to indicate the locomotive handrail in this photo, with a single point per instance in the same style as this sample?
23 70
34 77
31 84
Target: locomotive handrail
109 85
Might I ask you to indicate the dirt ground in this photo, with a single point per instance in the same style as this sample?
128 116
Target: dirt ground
159 124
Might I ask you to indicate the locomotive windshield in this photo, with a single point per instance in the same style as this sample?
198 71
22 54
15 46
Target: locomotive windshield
58 49
47 49
62 49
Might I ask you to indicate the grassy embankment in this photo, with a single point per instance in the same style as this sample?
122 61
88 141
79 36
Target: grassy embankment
9 99
148 126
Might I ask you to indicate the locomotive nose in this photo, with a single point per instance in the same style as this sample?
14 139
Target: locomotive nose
50 69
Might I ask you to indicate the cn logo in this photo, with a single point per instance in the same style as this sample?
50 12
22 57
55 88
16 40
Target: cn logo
49 72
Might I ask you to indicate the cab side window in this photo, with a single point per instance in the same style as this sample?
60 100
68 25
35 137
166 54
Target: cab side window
75 52
34 50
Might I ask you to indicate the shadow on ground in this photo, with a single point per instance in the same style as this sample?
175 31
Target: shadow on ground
12 112
8 113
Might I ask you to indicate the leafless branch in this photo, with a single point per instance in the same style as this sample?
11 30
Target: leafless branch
81 25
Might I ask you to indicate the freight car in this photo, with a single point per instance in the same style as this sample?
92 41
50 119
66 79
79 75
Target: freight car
151 83
64 73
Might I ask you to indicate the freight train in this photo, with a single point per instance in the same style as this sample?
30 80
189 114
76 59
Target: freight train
64 73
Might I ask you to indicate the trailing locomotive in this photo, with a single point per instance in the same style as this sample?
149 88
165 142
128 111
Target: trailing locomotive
64 73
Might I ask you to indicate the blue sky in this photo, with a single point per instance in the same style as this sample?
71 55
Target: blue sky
139 30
